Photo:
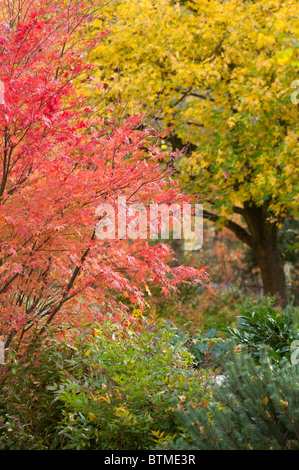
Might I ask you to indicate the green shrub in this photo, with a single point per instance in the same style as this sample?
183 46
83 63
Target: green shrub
29 415
255 407
107 388
208 348
205 347
204 311
275 330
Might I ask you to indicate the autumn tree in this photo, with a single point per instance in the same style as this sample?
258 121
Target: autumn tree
224 74
59 161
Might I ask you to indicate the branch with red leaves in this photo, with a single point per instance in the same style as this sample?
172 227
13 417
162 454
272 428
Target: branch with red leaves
58 163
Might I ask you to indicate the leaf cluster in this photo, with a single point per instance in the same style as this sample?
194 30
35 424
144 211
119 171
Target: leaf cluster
106 387
265 326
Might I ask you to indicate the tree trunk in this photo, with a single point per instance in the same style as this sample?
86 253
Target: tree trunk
264 242
273 276
261 236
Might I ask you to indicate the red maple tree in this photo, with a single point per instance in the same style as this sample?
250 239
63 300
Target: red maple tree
59 161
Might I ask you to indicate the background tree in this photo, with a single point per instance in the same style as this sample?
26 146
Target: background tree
223 74
59 161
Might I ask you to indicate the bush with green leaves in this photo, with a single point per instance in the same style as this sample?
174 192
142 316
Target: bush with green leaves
205 310
255 407
105 388
274 329
206 347
28 412
202 310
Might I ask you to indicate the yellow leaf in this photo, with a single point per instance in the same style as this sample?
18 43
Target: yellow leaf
265 401
284 403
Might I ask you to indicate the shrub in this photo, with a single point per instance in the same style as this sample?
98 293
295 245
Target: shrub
205 347
206 310
202 310
29 415
255 407
208 348
105 387
266 327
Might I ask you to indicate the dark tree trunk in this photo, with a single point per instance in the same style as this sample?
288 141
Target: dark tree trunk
261 236
273 276
264 242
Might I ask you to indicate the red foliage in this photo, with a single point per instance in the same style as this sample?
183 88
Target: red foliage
59 162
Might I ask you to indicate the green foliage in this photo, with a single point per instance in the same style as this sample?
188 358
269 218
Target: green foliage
208 348
289 240
202 310
219 309
217 317
29 415
205 347
266 327
255 407
105 388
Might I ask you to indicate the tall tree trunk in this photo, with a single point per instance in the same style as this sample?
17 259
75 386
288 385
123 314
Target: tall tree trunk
273 276
261 236
264 242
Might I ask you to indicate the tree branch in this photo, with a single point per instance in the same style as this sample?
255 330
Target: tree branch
239 231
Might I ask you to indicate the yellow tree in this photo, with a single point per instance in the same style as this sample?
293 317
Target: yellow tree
224 75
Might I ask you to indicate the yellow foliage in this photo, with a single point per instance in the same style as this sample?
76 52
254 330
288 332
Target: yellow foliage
221 73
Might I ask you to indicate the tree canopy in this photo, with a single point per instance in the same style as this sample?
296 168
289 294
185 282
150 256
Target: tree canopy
221 72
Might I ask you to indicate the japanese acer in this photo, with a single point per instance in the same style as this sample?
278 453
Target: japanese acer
223 73
59 161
